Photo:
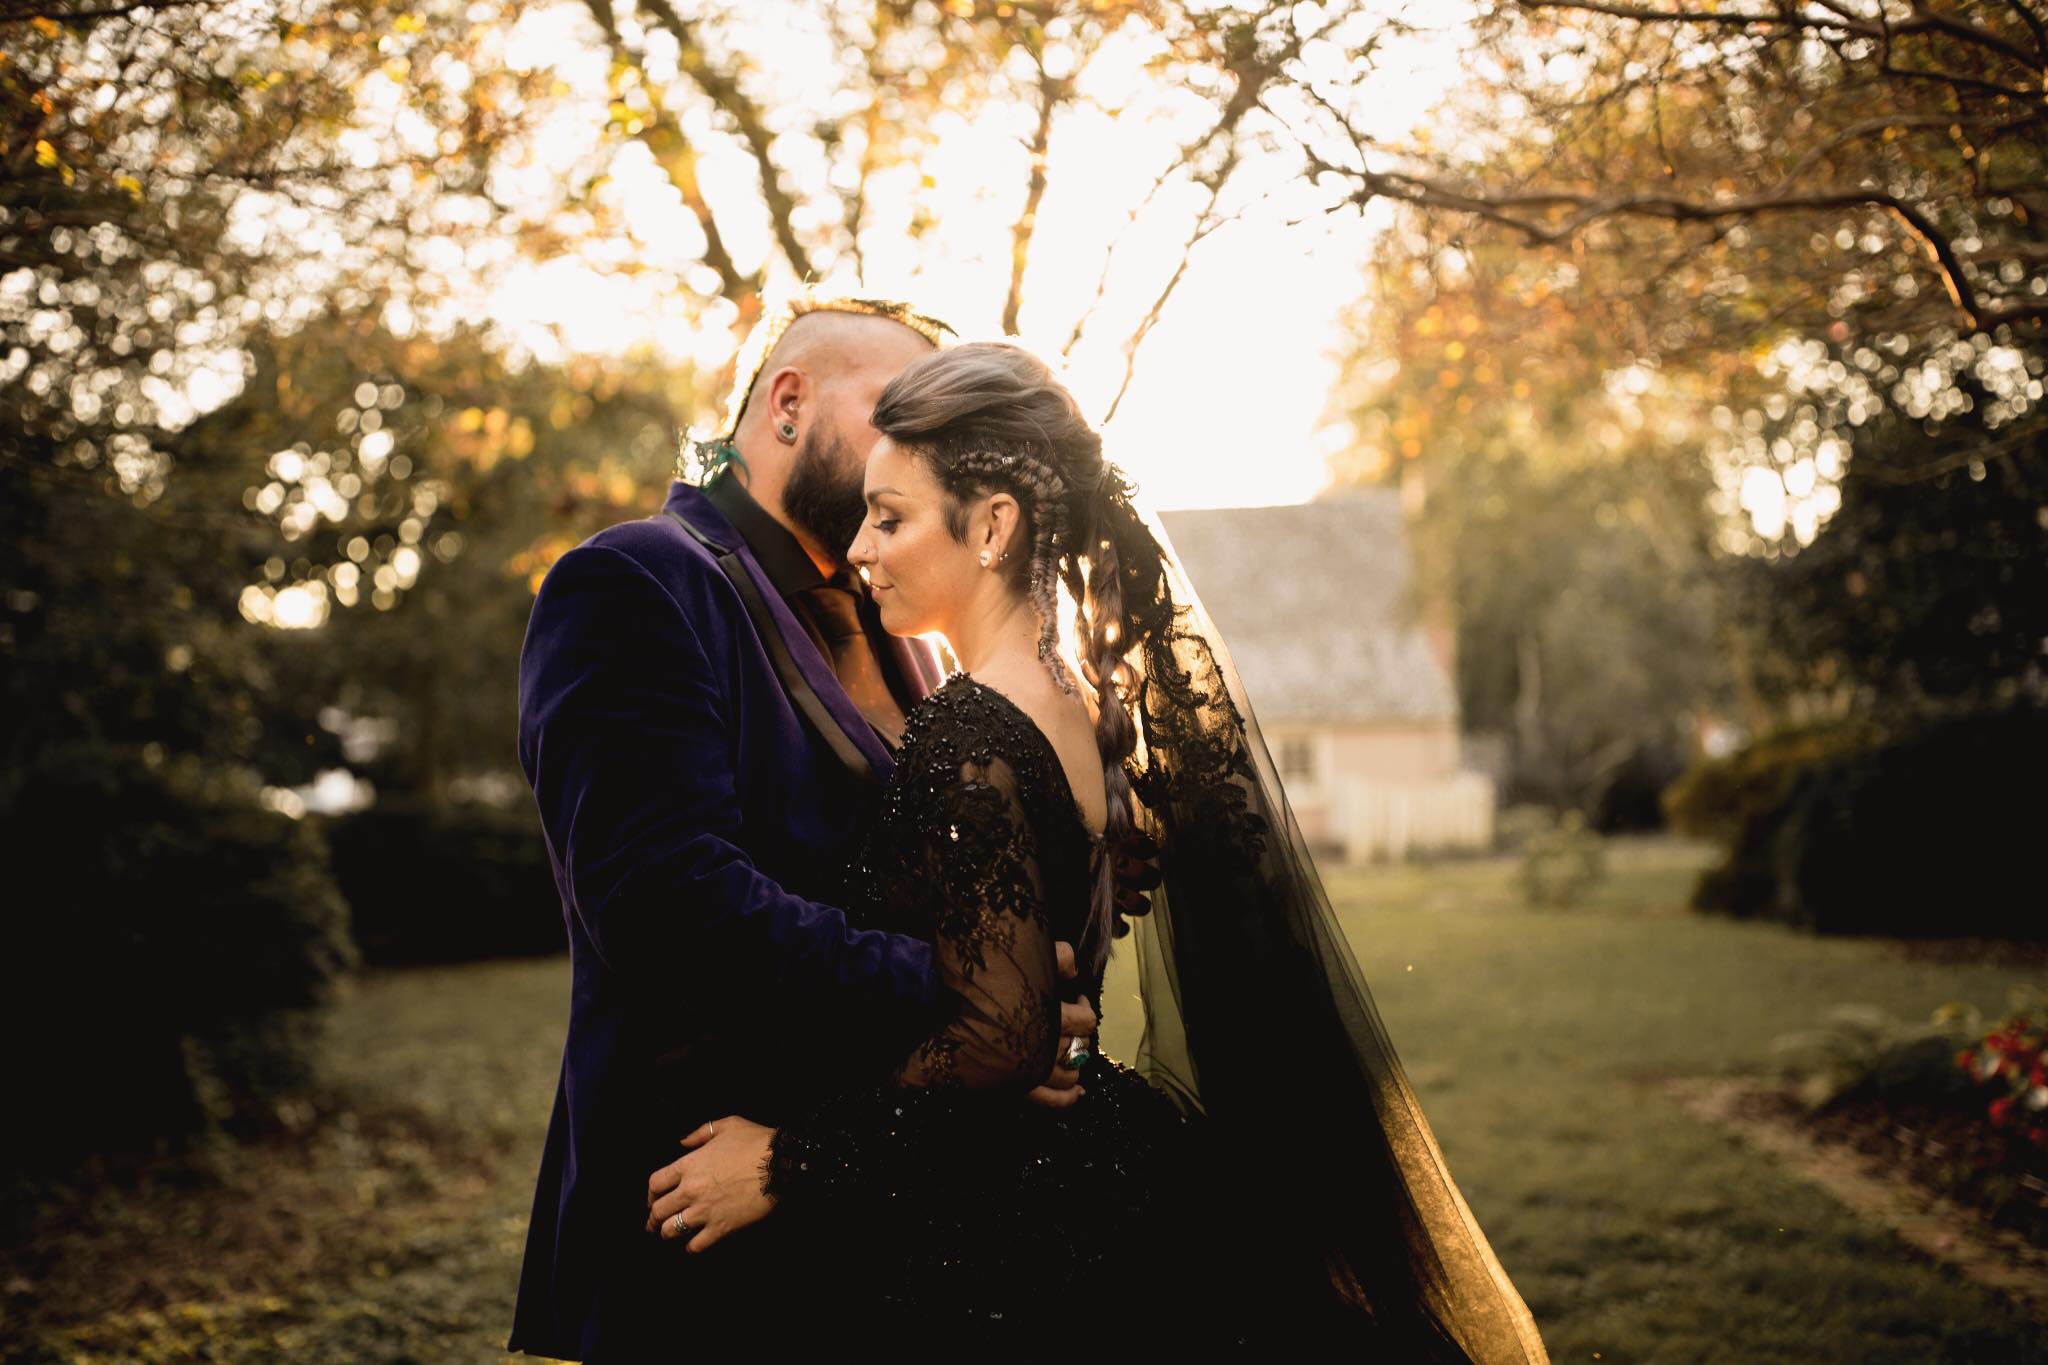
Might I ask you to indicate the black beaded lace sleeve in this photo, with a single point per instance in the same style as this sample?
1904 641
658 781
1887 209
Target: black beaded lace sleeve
955 855
978 866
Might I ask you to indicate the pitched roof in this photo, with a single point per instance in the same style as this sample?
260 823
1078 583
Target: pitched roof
1314 604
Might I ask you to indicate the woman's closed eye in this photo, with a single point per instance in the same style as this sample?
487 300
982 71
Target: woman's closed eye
887 524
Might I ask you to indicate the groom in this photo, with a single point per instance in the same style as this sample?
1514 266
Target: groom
707 708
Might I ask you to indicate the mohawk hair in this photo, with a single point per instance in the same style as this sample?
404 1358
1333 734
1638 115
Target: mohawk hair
760 343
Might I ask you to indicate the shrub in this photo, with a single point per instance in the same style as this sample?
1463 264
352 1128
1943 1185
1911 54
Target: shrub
2011 1063
1629 796
1740 801
175 944
1850 830
1933 834
1516 825
1719 796
1971 1123
1560 866
1863 1053
434 881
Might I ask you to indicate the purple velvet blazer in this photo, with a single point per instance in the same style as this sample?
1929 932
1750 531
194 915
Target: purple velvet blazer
702 780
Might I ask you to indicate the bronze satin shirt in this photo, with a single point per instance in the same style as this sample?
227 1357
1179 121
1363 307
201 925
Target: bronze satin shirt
835 612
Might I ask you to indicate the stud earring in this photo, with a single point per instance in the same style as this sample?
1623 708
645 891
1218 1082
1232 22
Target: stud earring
984 558
787 431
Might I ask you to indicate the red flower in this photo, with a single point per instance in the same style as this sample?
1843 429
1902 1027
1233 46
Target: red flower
2001 1110
1967 1058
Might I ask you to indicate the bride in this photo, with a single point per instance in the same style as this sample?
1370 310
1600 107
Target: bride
1263 1186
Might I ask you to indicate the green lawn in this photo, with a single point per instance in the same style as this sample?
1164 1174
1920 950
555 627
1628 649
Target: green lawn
1635 1233
392 1231
389 1231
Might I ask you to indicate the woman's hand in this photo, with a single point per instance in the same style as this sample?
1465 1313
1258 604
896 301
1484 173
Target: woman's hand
716 1187
1063 1088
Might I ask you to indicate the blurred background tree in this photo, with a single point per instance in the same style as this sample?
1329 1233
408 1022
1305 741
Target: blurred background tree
1762 286
1561 508
147 721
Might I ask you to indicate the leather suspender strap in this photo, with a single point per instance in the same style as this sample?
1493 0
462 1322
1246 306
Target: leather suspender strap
793 680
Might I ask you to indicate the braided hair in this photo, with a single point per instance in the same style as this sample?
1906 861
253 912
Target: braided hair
990 417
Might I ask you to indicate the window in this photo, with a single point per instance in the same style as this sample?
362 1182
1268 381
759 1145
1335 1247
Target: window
1298 759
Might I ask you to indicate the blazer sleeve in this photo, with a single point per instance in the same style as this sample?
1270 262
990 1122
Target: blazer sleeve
623 736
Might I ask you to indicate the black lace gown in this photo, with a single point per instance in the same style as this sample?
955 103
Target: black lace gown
936 1204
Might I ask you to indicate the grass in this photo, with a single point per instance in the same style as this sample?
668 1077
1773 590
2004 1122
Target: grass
1635 1233
390 1229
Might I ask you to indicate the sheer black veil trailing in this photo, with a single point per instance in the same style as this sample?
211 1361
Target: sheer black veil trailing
1338 1207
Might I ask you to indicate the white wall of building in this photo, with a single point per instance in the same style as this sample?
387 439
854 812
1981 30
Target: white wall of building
1368 793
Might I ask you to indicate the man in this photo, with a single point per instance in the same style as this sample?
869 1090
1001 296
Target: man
707 706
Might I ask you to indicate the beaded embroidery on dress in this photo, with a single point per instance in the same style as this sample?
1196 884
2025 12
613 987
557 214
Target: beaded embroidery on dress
936 1196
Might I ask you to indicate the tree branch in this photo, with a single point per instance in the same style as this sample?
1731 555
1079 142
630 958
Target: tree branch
1923 21
1710 18
724 92
1998 448
1205 223
678 160
16 12
1866 127
2034 26
1254 71
1051 94
1087 314
1977 314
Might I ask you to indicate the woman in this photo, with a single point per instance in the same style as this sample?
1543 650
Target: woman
1290 1191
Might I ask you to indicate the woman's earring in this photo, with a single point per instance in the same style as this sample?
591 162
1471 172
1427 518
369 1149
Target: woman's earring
787 431
984 558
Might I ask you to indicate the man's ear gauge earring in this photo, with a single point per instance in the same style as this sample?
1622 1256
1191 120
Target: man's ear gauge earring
787 431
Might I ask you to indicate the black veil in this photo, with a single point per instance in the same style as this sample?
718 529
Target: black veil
1258 1019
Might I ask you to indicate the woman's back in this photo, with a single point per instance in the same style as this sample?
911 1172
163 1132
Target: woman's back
1065 722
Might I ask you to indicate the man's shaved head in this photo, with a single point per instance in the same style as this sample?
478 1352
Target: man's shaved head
798 420
811 332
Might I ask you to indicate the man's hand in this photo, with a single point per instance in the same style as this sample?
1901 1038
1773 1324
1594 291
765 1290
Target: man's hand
716 1188
1063 1087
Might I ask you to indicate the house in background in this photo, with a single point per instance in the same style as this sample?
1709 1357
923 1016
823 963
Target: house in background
1352 687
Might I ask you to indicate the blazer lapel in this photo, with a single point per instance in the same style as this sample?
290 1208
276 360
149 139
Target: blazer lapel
806 676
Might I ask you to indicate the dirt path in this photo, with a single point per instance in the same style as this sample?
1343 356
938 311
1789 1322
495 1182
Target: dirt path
1993 1257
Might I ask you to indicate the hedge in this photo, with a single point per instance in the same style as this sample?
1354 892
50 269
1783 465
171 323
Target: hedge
1929 832
447 882
174 945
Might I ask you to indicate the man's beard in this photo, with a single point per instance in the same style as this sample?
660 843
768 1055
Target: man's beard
824 495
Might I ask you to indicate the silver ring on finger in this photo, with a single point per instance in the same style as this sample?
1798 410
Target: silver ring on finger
680 1228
